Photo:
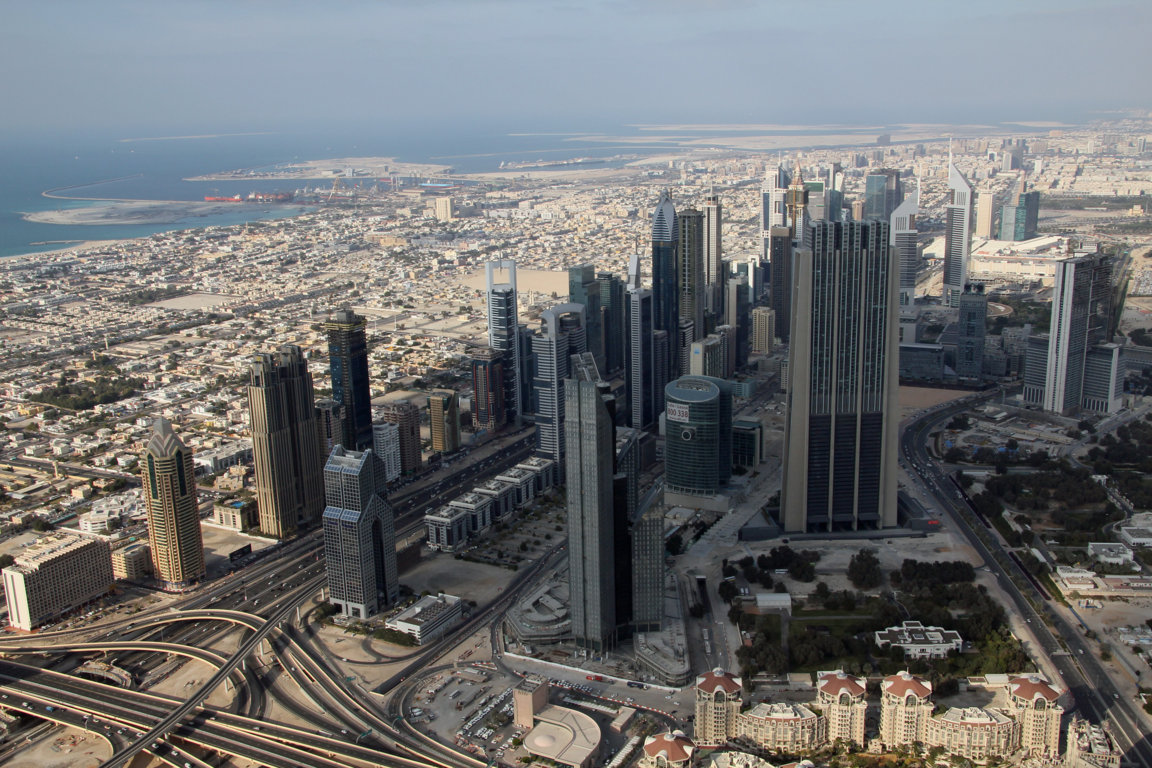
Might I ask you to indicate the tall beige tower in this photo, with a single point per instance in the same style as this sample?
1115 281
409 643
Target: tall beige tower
984 208
841 697
173 514
1033 704
444 420
719 695
905 709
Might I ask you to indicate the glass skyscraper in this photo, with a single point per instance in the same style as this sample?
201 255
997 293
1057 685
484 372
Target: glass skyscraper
698 435
348 360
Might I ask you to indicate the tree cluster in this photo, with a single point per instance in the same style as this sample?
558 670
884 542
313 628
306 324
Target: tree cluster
864 570
79 396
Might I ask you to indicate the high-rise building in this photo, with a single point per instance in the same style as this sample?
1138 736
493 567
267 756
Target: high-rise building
883 193
984 214
690 282
1104 372
763 330
504 335
698 435
781 261
957 234
1019 220
348 359
903 239
359 534
590 441
406 416
970 333
173 513
58 573
773 211
738 314
840 442
285 447
561 336
665 279
713 259
386 447
719 698
841 697
329 427
488 375
640 374
444 420
583 289
612 307
640 523
708 357
1081 314
905 709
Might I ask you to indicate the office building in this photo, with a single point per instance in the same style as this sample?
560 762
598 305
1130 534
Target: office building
840 441
359 535
1104 371
285 447
1019 220
444 420
780 263
903 236
348 359
641 377
883 192
1081 315
504 335
773 211
428 618
763 330
386 447
640 572
489 412
708 357
985 215
561 336
56 574
406 416
970 332
957 234
590 441
690 281
584 289
665 285
329 427
698 435
712 258
613 311
738 315
172 510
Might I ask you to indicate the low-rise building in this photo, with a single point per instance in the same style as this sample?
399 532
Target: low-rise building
132 562
971 732
428 618
671 749
783 727
58 573
237 514
1090 746
919 641
447 528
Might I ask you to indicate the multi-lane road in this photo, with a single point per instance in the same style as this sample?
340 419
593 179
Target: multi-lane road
1094 693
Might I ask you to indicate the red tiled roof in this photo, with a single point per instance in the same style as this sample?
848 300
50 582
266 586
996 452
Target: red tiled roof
718 678
902 684
835 683
1031 687
676 747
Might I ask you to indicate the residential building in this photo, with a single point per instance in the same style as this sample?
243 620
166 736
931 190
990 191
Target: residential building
131 562
690 282
489 412
719 696
671 749
504 335
921 642
56 574
173 513
783 727
613 310
1091 746
285 447
562 334
583 289
712 257
905 709
386 446
841 697
763 330
642 377
779 246
329 427
984 214
971 732
406 416
1033 704
665 280
444 420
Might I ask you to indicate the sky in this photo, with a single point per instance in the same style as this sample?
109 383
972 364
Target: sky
144 68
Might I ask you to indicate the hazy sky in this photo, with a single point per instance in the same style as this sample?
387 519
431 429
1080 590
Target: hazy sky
138 67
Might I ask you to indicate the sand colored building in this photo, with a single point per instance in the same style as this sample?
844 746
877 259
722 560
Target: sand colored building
972 732
667 750
718 700
783 727
1032 703
905 709
56 574
841 697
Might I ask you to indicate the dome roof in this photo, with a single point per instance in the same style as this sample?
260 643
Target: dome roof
709 682
675 746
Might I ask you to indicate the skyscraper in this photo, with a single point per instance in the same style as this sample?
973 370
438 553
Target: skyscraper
285 448
957 234
690 282
1019 220
504 334
359 534
386 447
612 303
348 358
883 192
665 285
840 449
583 289
444 421
984 214
640 371
763 329
1081 314
329 427
698 441
780 253
639 522
738 314
773 211
903 235
713 258
488 409
970 333
561 336
173 515
590 441
406 416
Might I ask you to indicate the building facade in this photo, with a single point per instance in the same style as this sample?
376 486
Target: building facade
561 336
841 697
348 361
444 420
970 332
719 696
698 435
59 573
406 416
504 334
957 234
172 510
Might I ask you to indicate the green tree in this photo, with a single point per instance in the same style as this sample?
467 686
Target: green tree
864 570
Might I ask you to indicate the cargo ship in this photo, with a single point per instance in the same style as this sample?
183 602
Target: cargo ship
216 199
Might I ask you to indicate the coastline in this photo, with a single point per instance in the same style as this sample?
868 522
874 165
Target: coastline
79 249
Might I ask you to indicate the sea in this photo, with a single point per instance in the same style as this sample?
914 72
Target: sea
88 169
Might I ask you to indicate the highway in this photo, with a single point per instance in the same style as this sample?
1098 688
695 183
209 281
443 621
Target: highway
1093 692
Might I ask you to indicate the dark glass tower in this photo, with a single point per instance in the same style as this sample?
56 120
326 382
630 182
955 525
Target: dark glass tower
612 313
583 289
348 359
665 286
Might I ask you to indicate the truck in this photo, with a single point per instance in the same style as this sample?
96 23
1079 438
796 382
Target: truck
595 678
